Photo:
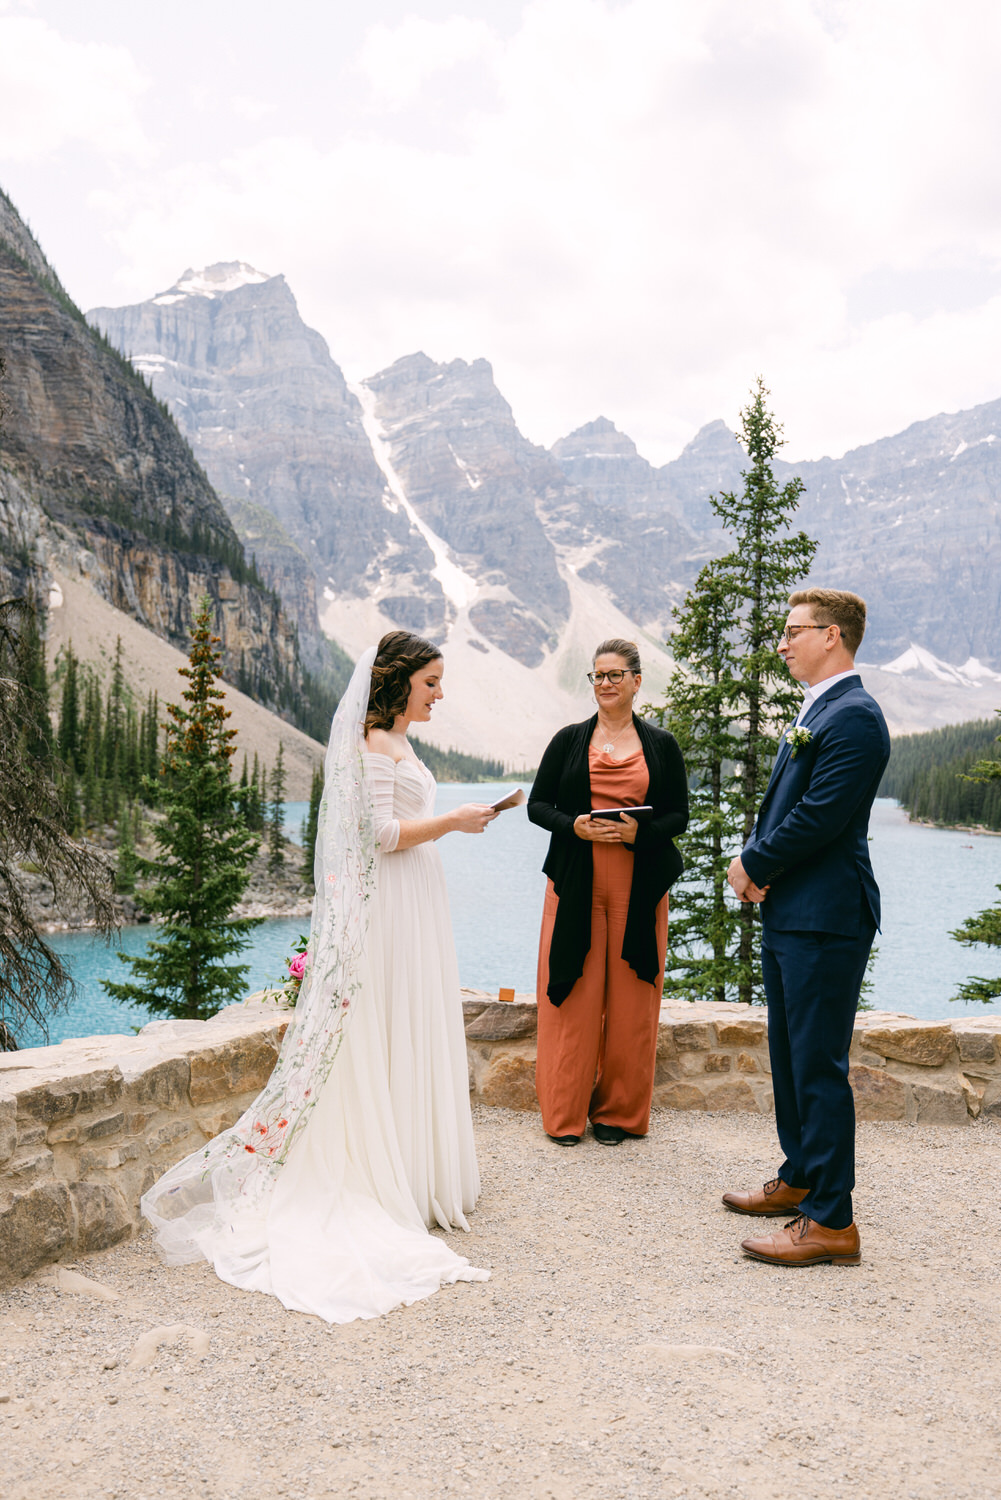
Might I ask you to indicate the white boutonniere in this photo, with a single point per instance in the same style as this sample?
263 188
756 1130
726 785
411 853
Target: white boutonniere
797 738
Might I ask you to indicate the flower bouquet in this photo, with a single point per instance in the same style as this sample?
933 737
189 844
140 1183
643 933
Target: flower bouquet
296 968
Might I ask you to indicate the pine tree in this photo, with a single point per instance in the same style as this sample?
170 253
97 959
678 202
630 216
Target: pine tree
985 927
702 712
33 978
68 742
205 852
276 812
126 863
312 824
728 709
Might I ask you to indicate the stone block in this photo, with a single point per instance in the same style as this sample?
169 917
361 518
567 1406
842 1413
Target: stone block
473 1008
35 1227
878 1095
749 1033
717 1062
99 1130
509 1081
735 1094
165 1084
107 1158
8 1129
503 1023
927 1044
679 1096
103 1217
65 1097
667 1047
941 1106
31 1167
977 1046
213 1122
29 1134
747 1064
240 1065
693 1036
174 1130
974 1090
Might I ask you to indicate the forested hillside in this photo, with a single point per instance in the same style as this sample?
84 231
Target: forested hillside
926 775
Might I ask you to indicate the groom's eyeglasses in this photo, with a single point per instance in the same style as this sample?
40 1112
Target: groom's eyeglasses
615 676
792 631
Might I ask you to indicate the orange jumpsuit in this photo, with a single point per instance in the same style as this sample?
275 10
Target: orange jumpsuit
597 1051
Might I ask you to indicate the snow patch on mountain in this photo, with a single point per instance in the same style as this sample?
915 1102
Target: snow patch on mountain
458 586
212 281
917 660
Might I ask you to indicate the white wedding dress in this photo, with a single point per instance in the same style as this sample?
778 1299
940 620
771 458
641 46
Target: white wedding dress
387 1148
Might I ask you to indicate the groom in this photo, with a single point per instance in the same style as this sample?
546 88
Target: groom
807 864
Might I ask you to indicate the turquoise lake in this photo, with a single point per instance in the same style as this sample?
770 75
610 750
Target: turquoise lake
930 878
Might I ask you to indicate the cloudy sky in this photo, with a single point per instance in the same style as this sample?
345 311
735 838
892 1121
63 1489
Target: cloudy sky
631 207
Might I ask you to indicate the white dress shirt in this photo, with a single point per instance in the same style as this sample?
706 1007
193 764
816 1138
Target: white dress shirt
813 693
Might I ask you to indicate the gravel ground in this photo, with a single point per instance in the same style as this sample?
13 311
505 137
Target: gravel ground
623 1348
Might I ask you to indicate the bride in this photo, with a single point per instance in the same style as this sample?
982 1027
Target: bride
323 1191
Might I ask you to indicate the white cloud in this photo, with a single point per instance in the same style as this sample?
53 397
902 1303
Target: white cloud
651 203
57 92
398 60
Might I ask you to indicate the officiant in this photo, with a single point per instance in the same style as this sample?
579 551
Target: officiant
604 921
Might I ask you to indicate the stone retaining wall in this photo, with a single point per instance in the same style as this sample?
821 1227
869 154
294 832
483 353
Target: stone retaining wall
86 1126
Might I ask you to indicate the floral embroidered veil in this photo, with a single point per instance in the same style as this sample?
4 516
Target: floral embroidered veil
232 1176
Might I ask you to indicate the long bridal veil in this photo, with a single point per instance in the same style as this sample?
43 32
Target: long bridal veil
231 1180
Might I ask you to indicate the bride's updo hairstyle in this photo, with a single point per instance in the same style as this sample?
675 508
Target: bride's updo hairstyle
398 656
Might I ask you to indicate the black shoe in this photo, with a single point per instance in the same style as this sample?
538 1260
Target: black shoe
566 1140
608 1135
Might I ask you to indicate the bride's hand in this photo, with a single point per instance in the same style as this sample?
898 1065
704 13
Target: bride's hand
473 817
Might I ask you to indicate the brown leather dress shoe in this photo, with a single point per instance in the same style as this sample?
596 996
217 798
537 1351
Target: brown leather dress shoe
804 1242
771 1202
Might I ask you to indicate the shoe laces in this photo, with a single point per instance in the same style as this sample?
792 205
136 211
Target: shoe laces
798 1227
773 1186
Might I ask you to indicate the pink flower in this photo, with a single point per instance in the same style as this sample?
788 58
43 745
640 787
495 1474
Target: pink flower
297 965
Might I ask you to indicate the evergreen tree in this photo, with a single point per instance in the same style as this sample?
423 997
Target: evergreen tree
126 864
33 978
33 698
702 711
205 852
276 812
311 826
728 710
68 742
985 927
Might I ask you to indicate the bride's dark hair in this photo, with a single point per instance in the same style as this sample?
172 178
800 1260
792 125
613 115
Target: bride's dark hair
398 656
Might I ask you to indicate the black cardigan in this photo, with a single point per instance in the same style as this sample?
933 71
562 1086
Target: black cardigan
562 791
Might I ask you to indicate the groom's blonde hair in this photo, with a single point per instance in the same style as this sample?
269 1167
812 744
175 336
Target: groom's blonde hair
835 607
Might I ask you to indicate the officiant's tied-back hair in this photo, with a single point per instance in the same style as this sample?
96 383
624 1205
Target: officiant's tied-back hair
617 647
835 607
398 656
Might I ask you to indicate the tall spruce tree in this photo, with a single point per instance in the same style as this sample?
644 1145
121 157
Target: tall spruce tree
205 852
985 927
312 824
727 706
276 811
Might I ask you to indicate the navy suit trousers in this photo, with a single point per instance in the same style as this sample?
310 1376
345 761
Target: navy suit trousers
812 984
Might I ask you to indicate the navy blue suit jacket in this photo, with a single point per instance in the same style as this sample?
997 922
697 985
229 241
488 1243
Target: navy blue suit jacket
810 842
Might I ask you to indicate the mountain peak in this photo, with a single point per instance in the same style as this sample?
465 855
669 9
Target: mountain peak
212 281
598 439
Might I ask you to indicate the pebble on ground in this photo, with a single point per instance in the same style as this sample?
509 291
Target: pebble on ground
624 1349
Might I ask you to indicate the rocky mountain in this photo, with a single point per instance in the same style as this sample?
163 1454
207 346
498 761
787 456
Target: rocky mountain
96 480
273 423
414 499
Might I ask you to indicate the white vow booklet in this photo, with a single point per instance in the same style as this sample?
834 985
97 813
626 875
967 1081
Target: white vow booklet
510 799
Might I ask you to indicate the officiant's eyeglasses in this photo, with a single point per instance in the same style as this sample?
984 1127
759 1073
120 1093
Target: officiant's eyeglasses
615 676
792 631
